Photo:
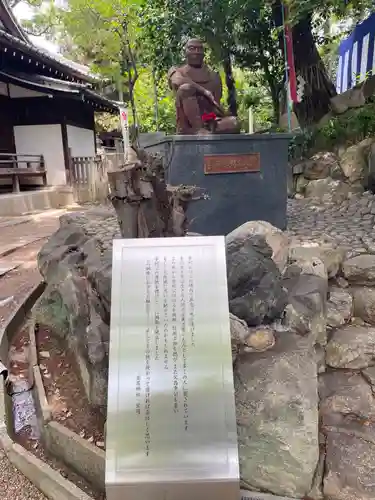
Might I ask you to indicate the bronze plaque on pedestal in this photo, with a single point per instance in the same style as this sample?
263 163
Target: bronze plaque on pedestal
231 163
171 426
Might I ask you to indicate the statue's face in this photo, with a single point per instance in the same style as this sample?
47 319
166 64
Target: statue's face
195 53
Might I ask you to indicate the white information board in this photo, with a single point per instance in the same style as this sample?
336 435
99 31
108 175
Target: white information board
171 427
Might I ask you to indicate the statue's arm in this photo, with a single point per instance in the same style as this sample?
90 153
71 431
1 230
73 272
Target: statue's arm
176 79
219 88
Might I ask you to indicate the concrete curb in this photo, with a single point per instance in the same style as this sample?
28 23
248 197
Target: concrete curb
85 458
47 480
17 318
43 410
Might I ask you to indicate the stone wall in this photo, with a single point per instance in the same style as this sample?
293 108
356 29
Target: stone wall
303 344
333 177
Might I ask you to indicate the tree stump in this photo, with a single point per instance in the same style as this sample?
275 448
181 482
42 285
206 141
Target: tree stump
145 205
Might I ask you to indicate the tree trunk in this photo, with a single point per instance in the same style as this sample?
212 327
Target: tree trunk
230 83
318 89
145 205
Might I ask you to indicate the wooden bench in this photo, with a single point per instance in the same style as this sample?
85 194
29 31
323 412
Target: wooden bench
16 172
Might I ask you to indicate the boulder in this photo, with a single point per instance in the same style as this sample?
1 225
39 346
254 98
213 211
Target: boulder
349 465
300 184
347 414
274 237
369 375
339 307
364 304
76 264
360 270
320 166
305 313
322 249
351 347
354 161
254 281
328 190
352 98
277 417
239 331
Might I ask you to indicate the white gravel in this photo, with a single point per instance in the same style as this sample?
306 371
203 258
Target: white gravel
15 486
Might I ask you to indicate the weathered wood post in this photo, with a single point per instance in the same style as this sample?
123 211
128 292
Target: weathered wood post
145 206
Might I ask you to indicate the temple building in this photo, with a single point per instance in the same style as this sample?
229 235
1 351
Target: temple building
47 105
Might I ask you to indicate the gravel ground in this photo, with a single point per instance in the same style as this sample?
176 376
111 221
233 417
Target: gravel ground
350 224
13 485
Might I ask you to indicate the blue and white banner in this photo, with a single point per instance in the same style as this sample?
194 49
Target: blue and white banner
356 56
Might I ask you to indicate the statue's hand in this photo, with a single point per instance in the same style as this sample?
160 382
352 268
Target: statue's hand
209 96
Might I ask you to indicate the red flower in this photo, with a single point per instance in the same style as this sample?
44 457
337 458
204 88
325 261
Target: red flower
208 117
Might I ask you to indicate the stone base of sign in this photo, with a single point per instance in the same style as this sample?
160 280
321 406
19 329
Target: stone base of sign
255 495
242 177
178 490
81 456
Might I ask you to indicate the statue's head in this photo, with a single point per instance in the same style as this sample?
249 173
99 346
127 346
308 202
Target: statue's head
194 51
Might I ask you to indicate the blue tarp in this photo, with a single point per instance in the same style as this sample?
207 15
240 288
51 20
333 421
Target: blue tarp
356 55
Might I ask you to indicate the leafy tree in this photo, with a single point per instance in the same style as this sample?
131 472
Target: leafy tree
257 49
100 33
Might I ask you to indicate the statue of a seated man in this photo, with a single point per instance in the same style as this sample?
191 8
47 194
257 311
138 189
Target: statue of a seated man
198 93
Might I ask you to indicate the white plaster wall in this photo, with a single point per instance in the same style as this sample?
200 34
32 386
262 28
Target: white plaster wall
45 140
19 92
81 141
3 88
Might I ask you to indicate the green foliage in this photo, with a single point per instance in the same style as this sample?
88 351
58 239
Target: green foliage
152 118
342 130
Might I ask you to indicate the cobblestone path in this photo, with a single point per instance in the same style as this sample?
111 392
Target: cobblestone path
349 225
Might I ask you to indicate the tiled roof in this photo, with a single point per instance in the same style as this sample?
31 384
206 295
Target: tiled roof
54 86
58 62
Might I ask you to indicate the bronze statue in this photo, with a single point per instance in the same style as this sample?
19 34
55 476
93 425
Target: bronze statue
198 93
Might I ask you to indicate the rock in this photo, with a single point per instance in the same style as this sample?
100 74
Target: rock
76 264
254 281
44 354
301 184
347 414
305 313
277 417
360 270
350 462
323 250
341 282
369 375
364 304
328 190
275 238
320 166
351 347
239 331
352 98
339 307
259 339
354 161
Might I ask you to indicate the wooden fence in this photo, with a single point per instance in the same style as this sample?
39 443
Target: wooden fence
20 166
88 176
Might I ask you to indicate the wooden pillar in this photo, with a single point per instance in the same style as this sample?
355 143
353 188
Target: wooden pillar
16 183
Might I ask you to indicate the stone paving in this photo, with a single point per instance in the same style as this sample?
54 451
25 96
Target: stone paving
349 225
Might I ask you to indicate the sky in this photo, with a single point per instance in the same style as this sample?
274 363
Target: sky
23 11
